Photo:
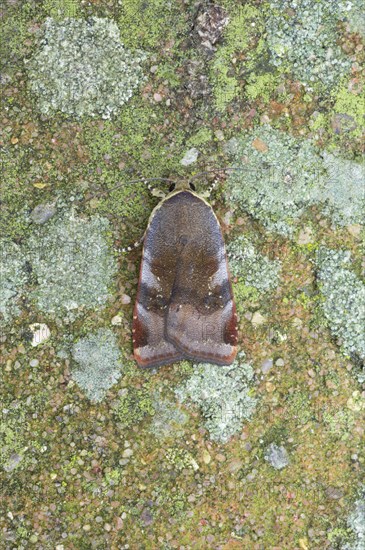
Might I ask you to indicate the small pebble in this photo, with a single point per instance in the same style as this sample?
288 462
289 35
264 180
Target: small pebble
258 319
157 97
277 456
190 157
266 365
280 362
354 229
126 299
206 457
34 363
334 493
305 236
127 452
117 320
42 213
260 145
220 457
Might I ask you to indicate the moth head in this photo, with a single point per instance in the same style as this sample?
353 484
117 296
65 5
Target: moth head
181 186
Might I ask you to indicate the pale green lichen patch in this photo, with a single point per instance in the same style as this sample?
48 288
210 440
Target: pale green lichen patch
344 300
133 406
13 277
302 39
60 9
349 99
254 268
99 363
72 264
279 177
179 459
356 525
224 396
240 37
82 68
147 23
352 11
343 193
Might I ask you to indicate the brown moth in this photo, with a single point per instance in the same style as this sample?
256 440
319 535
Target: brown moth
184 307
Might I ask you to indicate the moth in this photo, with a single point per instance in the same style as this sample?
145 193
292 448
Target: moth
184 307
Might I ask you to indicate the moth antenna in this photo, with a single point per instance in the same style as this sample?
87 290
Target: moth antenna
213 170
144 180
131 247
147 181
213 185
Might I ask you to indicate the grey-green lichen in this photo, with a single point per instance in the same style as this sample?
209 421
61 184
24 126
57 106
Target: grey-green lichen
255 269
352 11
303 39
356 523
168 420
99 363
82 68
12 278
72 264
242 35
344 300
343 194
224 396
279 176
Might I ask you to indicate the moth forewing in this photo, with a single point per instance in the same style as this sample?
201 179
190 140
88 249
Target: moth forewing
184 307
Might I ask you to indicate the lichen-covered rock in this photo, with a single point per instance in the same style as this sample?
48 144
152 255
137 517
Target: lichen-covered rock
73 265
344 300
302 38
277 456
255 269
223 394
343 193
99 364
356 523
279 176
353 12
13 276
82 68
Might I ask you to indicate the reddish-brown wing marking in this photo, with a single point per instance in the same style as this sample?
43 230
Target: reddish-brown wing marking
184 307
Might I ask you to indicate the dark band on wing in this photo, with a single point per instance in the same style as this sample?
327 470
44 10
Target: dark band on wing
152 299
205 301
